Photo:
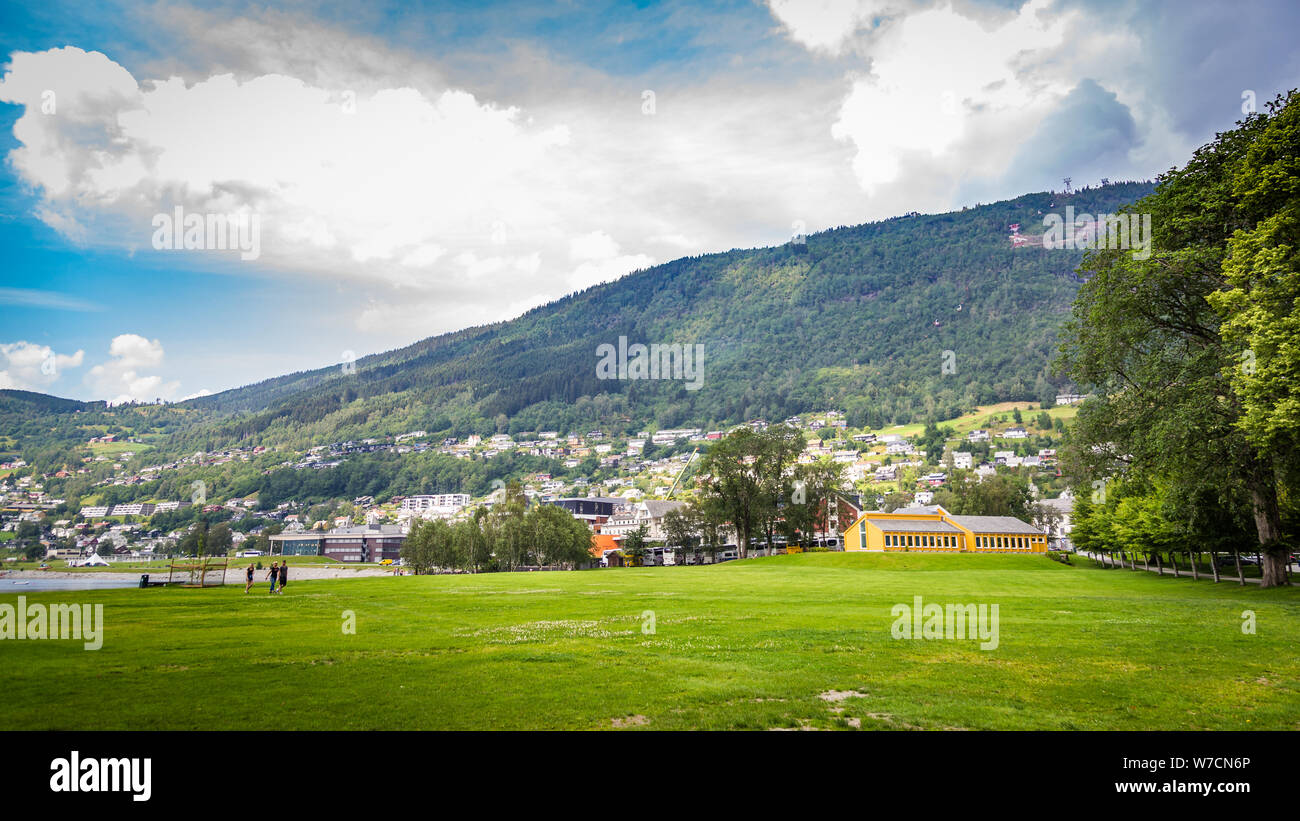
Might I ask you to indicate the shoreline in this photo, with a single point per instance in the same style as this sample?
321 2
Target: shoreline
234 575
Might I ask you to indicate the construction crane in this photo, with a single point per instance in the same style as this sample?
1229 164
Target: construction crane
682 472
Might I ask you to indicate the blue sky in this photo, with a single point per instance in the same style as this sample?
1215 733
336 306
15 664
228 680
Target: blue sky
414 170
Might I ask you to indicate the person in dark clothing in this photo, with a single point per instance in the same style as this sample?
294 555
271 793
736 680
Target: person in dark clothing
284 575
248 585
274 574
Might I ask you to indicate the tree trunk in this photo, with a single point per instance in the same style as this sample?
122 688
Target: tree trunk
1241 579
1160 568
1268 524
1214 565
1196 572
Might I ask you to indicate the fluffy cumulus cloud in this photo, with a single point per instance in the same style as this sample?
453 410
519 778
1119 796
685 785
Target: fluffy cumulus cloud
361 164
124 378
925 96
955 101
31 367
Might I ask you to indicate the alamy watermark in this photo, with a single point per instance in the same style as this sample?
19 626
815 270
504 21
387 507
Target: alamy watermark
919 621
77 774
637 361
53 622
1105 231
208 232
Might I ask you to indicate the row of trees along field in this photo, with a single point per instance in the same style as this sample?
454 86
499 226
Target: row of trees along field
1191 437
508 537
1156 524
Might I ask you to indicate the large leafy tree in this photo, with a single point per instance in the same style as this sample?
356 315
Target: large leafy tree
730 477
1146 339
778 449
556 537
635 545
220 540
505 527
417 548
1261 303
680 531
707 516
474 548
814 488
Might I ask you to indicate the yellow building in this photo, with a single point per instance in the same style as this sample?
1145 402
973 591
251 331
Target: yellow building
935 530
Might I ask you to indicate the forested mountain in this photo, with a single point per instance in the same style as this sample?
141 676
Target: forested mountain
856 318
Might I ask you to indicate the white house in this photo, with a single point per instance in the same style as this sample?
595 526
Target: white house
649 513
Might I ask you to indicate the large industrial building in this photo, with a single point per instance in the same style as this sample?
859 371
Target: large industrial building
368 543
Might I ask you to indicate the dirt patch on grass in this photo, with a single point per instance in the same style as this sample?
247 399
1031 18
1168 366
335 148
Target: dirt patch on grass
836 696
629 721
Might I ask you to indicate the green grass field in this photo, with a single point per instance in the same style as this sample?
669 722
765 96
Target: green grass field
117 448
744 645
988 416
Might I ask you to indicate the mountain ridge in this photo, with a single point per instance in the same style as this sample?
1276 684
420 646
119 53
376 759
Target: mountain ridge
862 318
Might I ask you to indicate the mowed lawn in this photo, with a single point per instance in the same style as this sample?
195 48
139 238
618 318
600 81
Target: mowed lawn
746 645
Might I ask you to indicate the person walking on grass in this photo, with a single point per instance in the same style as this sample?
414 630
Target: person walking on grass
248 584
284 575
274 575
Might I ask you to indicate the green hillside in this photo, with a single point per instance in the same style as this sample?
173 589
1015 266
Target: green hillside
856 318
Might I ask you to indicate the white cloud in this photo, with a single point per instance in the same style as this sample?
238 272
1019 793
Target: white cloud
942 96
939 80
121 378
599 260
826 25
426 187
31 367
424 256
